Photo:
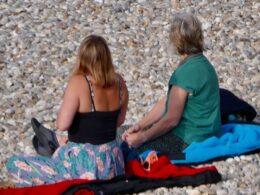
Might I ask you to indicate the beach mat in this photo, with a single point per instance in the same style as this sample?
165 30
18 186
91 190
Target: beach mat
236 139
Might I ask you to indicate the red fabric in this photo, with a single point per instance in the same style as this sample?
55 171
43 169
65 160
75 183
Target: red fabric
162 169
56 188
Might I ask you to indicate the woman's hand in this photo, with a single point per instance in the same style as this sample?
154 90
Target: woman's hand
135 128
135 139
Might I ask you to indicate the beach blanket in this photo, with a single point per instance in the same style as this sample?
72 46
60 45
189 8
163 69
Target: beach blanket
236 139
162 174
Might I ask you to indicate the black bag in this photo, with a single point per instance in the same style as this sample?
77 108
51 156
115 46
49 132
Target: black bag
232 105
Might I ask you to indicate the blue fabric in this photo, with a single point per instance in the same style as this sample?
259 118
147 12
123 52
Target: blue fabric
236 139
128 153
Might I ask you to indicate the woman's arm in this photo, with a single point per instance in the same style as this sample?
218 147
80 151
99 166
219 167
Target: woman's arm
177 100
122 114
70 104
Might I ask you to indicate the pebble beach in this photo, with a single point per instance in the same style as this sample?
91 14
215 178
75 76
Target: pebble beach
38 47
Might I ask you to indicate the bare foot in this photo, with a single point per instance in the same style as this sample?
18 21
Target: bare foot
62 139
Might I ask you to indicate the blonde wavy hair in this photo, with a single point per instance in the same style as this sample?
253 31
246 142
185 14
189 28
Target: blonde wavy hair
186 34
94 59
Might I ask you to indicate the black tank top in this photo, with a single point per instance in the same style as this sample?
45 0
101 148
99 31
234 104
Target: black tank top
95 127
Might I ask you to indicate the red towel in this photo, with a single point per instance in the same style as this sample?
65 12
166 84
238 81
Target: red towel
52 189
163 169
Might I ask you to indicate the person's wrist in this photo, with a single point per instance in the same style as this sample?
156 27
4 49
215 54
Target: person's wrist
139 125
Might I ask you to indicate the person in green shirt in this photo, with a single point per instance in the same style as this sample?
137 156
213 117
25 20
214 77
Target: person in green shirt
191 110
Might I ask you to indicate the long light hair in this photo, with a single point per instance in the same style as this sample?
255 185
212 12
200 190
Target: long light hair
186 34
94 59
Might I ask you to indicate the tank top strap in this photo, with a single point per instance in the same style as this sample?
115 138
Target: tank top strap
120 93
91 94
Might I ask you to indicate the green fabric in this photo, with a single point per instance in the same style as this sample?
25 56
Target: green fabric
201 115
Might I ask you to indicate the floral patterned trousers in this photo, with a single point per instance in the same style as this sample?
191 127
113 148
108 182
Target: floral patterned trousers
71 161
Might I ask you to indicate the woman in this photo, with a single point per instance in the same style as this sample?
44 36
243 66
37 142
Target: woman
94 105
191 110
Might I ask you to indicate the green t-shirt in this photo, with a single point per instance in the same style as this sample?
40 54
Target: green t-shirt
201 115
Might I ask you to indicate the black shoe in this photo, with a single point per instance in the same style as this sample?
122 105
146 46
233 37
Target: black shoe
47 140
40 149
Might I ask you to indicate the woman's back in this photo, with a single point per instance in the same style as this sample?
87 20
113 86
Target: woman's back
99 109
104 99
94 105
201 116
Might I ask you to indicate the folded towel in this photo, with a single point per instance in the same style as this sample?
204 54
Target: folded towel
236 139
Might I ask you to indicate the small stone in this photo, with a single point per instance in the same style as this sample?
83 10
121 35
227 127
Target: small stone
237 159
10 111
8 83
230 160
193 192
246 158
222 192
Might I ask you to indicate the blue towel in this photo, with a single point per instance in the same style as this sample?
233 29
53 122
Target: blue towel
236 139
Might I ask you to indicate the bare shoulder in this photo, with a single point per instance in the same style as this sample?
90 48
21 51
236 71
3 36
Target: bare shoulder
75 84
76 78
75 81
